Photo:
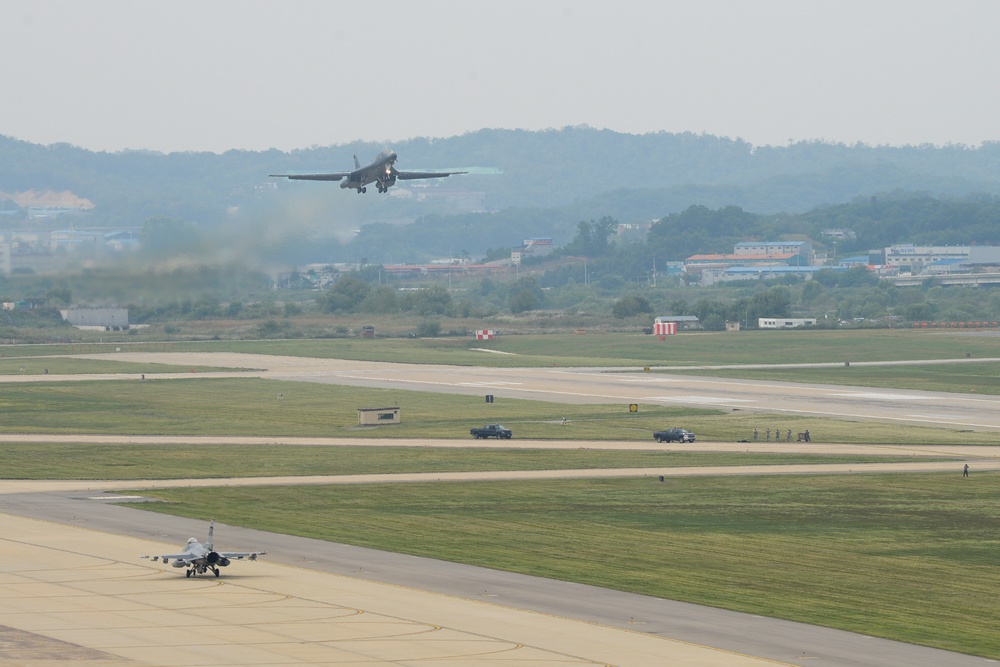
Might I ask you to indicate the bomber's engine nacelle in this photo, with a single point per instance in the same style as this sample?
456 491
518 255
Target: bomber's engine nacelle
390 181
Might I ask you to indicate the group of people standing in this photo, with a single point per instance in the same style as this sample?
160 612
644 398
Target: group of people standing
777 435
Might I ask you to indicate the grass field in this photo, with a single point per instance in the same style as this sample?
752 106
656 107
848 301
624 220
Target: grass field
908 557
99 461
26 366
593 349
250 407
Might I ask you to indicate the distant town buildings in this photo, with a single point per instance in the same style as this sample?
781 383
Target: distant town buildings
38 251
25 304
535 247
840 234
774 259
754 261
49 204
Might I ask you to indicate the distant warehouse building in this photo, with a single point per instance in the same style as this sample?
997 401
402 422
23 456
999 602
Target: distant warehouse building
800 249
108 319
913 258
784 322
733 273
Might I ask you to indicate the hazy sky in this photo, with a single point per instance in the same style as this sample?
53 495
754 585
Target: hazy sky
210 75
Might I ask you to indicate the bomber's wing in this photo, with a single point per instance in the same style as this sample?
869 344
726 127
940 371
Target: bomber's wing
240 555
412 175
328 176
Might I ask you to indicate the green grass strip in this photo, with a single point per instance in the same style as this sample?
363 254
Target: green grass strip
23 367
591 349
116 461
910 557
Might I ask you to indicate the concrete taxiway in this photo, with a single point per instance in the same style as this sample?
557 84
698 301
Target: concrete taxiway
74 595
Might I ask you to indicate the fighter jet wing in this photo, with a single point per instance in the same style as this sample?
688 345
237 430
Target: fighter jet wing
195 558
329 176
186 557
411 175
240 555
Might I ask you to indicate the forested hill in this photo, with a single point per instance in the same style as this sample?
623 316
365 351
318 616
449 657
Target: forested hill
582 171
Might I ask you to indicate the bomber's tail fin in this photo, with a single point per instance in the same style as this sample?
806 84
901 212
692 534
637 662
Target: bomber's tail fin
357 162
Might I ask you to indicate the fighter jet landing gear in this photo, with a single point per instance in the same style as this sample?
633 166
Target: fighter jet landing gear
202 570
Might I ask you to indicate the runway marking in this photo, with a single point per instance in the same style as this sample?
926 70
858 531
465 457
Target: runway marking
486 383
882 396
637 380
949 419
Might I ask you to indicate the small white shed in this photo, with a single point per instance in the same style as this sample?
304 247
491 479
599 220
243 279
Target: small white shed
377 416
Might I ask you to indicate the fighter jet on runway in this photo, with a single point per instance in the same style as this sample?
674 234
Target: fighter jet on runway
200 558
381 171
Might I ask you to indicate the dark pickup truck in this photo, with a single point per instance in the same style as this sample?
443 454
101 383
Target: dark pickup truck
491 431
674 435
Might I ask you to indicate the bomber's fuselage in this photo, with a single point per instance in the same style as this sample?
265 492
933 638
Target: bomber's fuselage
380 169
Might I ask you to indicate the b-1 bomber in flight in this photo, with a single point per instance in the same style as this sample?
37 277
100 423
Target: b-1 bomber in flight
381 171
